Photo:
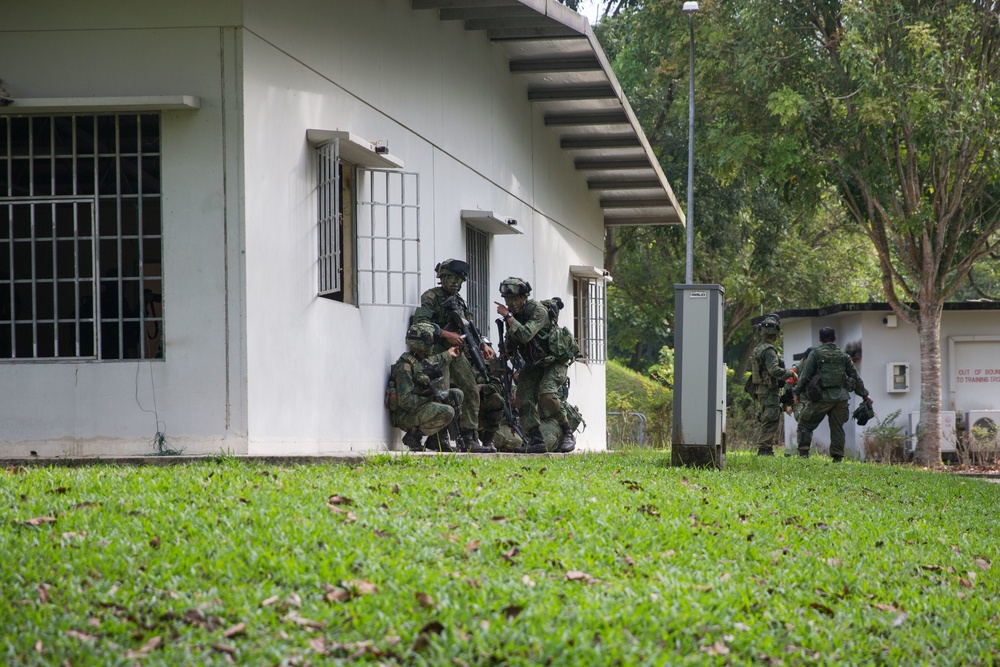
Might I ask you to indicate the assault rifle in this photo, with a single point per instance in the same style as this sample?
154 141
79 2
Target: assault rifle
473 341
507 385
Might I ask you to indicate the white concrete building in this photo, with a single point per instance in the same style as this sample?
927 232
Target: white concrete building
218 216
886 351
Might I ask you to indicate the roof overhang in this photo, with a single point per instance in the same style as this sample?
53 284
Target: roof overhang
570 79
842 309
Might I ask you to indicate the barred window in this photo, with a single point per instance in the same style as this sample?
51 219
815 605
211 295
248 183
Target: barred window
368 230
590 317
477 249
80 237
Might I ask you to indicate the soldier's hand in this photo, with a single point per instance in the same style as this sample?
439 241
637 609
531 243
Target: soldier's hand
451 338
796 400
868 400
488 352
453 352
502 310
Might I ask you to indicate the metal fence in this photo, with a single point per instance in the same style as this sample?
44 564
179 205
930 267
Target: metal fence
626 429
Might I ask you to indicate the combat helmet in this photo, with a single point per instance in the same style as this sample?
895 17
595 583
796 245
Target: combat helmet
770 325
420 336
456 266
863 413
515 287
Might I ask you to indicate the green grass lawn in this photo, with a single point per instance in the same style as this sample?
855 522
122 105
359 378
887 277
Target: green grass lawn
580 560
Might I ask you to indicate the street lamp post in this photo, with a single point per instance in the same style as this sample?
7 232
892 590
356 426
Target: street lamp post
690 8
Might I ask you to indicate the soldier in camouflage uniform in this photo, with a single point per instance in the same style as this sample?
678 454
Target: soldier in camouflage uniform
452 273
838 378
539 382
418 397
769 375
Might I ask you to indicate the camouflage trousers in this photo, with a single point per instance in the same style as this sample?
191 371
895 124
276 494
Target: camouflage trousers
462 376
812 416
768 422
538 395
490 407
428 418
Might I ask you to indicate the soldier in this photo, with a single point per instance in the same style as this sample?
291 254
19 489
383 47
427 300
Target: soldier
530 331
452 273
837 376
769 375
418 397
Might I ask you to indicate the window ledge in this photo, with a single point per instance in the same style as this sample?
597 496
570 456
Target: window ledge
354 149
590 272
486 221
91 104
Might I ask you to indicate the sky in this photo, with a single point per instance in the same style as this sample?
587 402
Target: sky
590 9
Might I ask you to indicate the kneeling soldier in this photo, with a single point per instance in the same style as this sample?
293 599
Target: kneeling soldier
418 397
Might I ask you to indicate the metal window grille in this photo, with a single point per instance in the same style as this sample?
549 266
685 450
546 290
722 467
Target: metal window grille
590 317
80 237
477 249
388 238
330 217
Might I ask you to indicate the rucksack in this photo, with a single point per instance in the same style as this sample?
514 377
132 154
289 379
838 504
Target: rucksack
832 367
561 341
574 417
391 396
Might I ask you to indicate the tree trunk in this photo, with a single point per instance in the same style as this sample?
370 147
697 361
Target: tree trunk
928 451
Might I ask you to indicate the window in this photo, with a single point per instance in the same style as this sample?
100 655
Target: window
80 237
477 249
590 313
368 225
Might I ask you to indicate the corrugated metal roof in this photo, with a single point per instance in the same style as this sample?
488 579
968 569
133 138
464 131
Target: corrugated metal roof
568 76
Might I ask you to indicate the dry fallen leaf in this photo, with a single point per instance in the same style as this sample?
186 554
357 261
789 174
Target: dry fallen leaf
237 629
424 600
472 546
155 542
269 601
339 500
145 649
983 564
39 520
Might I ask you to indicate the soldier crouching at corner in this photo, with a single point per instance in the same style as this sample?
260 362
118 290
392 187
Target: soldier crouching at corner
418 398
769 375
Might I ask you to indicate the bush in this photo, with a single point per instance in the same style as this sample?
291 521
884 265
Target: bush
628 393
884 441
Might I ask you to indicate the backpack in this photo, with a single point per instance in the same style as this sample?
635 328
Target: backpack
574 417
391 396
561 341
832 368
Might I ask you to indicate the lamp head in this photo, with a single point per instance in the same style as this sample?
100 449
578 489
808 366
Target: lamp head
690 7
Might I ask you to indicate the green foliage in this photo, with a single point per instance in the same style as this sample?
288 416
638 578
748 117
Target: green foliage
579 560
884 440
630 392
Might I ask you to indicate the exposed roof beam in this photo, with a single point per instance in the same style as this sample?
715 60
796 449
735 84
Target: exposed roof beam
452 4
541 65
617 117
638 221
623 184
467 13
612 163
636 202
601 141
571 93
528 34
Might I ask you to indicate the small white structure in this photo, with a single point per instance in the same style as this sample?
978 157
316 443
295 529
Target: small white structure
887 354
217 217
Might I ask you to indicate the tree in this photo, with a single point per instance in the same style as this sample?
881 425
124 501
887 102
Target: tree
899 101
752 230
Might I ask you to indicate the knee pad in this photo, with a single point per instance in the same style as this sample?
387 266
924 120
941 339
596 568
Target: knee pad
549 405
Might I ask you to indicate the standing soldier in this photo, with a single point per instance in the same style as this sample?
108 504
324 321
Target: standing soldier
837 377
452 273
769 375
531 331
418 397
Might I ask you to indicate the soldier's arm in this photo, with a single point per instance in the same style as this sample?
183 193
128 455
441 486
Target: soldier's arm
774 364
523 333
425 311
806 375
407 393
859 385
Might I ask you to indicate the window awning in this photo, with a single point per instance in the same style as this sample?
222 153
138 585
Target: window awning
569 77
487 221
356 150
48 105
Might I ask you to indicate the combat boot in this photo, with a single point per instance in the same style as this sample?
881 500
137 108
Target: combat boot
438 443
487 441
536 443
567 442
470 443
412 440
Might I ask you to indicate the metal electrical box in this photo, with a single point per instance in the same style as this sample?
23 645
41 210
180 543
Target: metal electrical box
699 434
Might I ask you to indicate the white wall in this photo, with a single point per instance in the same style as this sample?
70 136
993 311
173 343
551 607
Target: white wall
68 49
450 109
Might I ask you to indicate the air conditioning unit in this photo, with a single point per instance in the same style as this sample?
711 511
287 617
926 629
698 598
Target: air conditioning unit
949 436
984 426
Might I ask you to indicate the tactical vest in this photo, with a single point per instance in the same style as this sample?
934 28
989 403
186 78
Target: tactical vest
832 367
761 377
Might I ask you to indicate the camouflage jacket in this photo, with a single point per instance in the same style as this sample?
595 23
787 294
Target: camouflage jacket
836 371
528 332
432 308
768 368
415 380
